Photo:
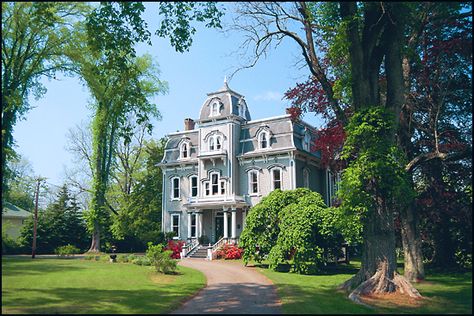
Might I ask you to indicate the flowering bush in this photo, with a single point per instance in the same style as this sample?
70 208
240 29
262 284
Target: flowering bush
229 251
176 247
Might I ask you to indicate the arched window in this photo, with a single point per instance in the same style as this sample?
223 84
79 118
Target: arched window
215 109
218 142
307 141
253 182
211 143
184 152
264 139
306 178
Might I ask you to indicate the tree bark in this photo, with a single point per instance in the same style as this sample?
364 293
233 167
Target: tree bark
95 243
414 269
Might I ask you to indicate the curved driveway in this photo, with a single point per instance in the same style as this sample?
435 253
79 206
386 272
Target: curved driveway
231 289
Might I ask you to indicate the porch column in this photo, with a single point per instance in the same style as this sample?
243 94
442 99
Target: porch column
199 224
234 223
189 225
226 231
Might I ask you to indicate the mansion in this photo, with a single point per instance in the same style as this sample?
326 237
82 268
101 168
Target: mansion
223 163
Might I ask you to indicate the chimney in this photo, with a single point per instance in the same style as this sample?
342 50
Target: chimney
188 124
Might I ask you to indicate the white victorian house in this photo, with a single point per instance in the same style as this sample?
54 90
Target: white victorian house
223 163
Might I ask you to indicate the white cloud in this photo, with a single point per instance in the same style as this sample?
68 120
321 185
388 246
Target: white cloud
268 96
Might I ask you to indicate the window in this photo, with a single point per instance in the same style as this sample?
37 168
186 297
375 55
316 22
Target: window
175 187
211 143
306 178
215 183
307 141
253 182
206 186
184 150
276 178
222 187
263 139
193 181
175 224
193 226
215 109
215 142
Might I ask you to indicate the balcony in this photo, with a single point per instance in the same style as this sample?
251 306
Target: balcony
215 201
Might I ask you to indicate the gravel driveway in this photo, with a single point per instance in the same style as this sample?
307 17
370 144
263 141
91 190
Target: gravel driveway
231 289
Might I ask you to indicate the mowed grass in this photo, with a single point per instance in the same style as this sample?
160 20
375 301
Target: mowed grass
60 286
317 294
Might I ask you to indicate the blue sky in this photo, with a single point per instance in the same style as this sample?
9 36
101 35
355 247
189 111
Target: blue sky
41 137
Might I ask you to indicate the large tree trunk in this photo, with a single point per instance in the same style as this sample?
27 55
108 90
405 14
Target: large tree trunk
377 274
414 269
95 244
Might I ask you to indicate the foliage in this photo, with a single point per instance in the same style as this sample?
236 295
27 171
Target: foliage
66 251
177 19
60 224
161 259
229 251
139 210
93 287
21 183
376 166
176 247
141 261
11 246
34 36
262 223
308 235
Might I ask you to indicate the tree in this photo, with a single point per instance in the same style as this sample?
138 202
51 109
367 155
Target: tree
60 224
374 36
139 212
34 36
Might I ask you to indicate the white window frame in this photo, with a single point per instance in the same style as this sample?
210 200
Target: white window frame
191 186
250 186
267 139
306 178
212 184
207 188
273 177
179 224
215 142
173 188
181 151
215 109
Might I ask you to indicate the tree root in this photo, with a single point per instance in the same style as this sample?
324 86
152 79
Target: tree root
379 283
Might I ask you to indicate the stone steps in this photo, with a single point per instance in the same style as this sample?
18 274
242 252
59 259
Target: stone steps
201 252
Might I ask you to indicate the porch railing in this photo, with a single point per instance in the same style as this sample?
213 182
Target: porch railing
190 247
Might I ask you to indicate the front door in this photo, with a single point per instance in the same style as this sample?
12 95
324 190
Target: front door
219 232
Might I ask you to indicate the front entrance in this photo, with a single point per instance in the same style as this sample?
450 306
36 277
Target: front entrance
219 226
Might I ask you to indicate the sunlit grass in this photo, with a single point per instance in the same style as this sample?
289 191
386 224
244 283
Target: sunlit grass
316 294
58 286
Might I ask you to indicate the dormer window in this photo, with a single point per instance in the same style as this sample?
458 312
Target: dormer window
306 141
184 151
263 139
215 109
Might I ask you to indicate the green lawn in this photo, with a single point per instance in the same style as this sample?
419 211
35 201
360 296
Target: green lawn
57 286
316 294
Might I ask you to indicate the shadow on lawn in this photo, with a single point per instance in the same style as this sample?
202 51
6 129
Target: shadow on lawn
87 300
39 266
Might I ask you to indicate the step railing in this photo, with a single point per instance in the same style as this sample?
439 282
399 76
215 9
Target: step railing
188 250
220 243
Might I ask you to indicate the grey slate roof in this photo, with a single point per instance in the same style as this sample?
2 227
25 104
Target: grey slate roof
174 142
10 210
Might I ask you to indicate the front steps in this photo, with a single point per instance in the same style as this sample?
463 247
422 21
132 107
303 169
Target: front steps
200 252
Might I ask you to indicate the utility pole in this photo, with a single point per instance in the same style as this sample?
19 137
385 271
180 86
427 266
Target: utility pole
33 247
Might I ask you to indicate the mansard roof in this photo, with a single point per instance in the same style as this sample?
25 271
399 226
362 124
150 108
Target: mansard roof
175 140
229 103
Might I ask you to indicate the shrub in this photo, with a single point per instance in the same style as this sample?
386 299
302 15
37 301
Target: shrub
66 251
176 247
11 246
122 258
160 259
229 251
